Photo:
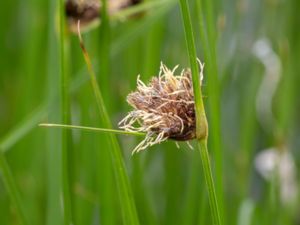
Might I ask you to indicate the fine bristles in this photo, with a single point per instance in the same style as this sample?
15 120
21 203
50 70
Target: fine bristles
164 109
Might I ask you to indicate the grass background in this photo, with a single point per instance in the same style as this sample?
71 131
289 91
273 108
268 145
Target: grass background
167 183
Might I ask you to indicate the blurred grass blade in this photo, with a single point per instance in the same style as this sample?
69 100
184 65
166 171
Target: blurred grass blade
11 187
202 33
93 129
194 190
139 8
17 133
208 38
125 193
7 142
53 181
200 113
65 117
106 179
123 41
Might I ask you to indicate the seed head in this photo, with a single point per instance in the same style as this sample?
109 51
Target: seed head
164 109
88 11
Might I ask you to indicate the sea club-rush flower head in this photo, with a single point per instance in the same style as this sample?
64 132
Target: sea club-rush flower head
163 109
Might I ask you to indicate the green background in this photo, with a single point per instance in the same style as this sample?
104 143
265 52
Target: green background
167 183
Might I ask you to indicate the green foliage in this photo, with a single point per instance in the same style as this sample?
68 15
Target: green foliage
58 176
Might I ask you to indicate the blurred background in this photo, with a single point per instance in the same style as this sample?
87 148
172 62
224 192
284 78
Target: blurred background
250 97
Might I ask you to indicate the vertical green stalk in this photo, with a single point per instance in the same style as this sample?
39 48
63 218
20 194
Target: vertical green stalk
128 208
213 202
201 124
11 187
65 116
193 190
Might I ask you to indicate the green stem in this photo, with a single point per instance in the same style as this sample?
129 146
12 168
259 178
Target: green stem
202 145
11 187
96 129
201 125
65 110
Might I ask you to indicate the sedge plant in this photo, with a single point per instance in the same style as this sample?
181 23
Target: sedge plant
157 122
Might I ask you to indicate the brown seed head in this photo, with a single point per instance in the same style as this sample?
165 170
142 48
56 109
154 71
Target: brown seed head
88 11
164 108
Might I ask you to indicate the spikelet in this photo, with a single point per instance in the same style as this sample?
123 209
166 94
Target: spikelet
164 109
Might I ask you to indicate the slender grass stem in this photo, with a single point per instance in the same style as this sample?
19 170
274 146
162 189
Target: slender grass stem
201 125
96 129
65 110
126 198
11 187
213 202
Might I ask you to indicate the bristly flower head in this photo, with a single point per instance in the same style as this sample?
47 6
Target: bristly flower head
164 109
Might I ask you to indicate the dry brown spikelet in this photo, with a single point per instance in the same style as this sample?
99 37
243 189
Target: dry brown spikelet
164 109
88 11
